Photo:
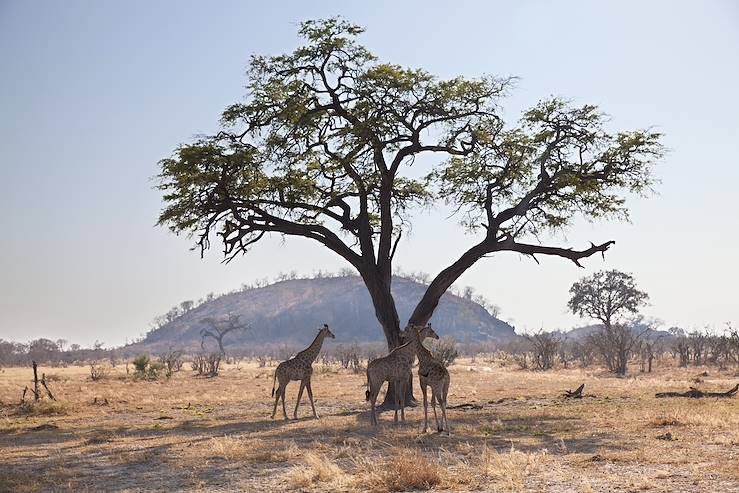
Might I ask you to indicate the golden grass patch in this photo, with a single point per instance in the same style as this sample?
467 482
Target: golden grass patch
313 469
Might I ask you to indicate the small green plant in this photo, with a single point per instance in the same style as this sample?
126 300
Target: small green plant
140 363
146 368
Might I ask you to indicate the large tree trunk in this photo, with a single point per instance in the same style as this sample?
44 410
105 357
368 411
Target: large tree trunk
378 284
387 314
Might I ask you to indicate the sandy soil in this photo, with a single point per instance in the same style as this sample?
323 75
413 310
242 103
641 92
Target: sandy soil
191 433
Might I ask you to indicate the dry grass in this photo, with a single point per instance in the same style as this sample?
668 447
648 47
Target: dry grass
196 434
408 470
316 468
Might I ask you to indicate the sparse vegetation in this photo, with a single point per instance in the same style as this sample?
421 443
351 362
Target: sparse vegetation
98 371
207 364
444 350
172 361
553 439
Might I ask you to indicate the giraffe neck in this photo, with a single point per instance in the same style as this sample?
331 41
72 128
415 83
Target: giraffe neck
424 355
311 352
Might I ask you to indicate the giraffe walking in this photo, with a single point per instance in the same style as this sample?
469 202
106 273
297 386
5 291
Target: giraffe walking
395 367
299 368
431 373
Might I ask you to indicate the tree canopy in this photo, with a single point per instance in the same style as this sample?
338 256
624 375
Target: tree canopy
606 296
323 145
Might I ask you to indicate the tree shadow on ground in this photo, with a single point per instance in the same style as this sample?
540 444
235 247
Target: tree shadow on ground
92 457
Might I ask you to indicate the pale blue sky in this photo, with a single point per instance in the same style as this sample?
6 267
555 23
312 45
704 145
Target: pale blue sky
93 94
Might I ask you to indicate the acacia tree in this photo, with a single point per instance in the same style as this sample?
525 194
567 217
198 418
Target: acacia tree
610 297
219 327
322 148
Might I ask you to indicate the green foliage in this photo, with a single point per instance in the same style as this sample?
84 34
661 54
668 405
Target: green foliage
557 163
324 143
140 363
319 146
146 368
606 296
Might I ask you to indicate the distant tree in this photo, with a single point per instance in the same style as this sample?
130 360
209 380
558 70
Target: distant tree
42 350
218 328
323 145
610 297
60 343
698 341
544 347
649 349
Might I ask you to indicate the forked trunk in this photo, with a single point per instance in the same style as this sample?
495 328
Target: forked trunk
387 314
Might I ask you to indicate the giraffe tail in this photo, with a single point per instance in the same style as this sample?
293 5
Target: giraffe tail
367 392
273 383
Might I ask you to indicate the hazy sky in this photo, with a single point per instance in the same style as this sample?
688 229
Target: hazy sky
93 94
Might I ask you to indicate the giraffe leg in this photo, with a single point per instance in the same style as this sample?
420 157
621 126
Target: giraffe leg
433 406
444 421
310 396
277 399
397 400
374 391
284 388
300 395
402 400
425 409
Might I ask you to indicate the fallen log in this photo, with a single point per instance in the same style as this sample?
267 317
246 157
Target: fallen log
574 394
694 393
466 406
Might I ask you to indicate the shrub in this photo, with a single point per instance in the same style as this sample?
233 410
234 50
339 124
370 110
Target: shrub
140 363
172 361
445 350
154 369
98 371
207 364
348 357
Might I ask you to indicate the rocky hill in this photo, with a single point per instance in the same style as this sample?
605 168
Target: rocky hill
290 312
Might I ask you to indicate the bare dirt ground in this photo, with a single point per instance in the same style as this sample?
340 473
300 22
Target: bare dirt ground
214 434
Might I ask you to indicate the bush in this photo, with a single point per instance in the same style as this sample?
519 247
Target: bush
207 364
172 361
98 371
154 369
147 369
545 346
140 363
348 357
445 350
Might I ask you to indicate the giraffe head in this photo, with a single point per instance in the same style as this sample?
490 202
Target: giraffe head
423 331
426 331
327 332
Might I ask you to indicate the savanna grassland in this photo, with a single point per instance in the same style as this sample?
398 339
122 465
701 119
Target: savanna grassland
214 434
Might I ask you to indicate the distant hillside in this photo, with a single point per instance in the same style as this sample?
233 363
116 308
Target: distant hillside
580 333
291 311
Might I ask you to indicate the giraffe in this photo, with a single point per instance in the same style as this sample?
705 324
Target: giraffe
432 373
394 367
299 368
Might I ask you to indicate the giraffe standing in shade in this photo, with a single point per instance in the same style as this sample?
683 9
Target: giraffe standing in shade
299 368
395 367
431 373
